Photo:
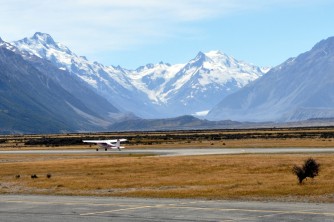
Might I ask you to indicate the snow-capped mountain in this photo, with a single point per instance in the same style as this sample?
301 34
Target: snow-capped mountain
32 100
152 79
193 87
154 90
205 79
300 88
109 81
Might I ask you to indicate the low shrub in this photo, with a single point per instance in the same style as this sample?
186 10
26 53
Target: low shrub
309 169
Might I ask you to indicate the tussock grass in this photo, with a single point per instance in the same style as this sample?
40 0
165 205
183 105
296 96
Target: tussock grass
212 177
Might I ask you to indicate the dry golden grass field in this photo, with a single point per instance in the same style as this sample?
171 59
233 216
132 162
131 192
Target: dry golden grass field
265 177
247 176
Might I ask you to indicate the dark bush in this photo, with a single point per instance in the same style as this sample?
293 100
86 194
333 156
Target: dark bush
48 175
34 176
299 172
309 169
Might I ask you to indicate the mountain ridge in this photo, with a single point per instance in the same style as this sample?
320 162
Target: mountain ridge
154 90
298 89
45 82
37 97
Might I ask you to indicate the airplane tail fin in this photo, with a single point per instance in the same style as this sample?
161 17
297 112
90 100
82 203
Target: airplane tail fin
118 144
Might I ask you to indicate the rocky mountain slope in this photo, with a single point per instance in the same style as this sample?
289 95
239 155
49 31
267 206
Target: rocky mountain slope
300 88
32 100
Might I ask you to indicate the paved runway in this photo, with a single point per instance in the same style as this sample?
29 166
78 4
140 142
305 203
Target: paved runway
65 208
179 152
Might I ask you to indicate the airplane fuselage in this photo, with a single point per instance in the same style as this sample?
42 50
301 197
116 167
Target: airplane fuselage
107 144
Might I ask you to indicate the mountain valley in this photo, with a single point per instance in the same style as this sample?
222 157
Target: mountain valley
154 90
45 87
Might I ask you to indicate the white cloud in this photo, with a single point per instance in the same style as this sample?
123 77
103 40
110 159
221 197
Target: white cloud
99 25
115 24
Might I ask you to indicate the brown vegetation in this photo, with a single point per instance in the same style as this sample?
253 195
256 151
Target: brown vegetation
212 177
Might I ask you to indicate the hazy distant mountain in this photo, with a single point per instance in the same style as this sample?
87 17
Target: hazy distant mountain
152 91
33 101
201 83
301 88
178 123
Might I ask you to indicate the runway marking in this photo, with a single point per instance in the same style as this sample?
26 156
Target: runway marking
170 206
117 210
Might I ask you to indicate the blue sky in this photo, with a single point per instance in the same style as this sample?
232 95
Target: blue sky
131 33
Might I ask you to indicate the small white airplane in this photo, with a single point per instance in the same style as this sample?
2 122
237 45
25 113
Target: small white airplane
107 144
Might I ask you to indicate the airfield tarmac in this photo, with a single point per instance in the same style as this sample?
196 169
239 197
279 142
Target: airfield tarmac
66 208
179 152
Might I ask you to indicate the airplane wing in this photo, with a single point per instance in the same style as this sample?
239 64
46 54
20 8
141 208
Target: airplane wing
96 141
110 142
